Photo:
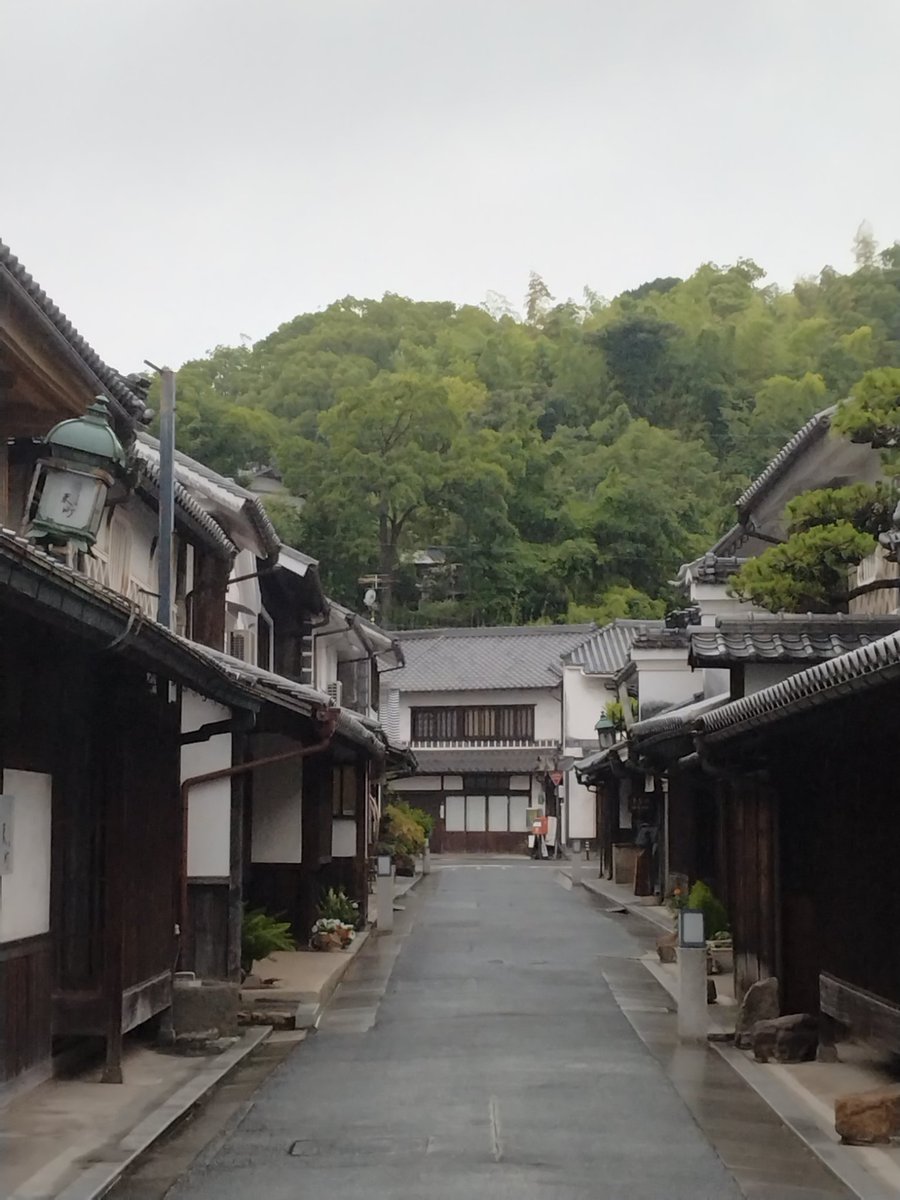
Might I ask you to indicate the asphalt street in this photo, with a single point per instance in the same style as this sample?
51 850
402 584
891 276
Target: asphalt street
481 1052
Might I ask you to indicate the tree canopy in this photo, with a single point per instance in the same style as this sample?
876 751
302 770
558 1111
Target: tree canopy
492 467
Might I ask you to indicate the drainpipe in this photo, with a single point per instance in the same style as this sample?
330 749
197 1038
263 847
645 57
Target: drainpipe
328 718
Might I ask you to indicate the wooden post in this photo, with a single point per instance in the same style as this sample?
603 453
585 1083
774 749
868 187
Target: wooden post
236 864
113 931
360 865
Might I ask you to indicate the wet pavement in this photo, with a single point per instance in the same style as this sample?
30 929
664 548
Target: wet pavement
505 1042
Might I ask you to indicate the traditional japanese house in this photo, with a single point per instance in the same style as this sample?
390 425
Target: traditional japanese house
805 774
91 870
482 710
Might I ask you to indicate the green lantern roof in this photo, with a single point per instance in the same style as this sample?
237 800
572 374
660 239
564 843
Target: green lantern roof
605 722
90 438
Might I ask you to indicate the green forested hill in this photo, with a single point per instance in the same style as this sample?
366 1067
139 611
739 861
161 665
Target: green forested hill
567 460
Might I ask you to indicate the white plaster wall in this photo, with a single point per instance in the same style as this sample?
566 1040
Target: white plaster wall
25 891
585 698
144 528
209 804
547 708
343 839
664 678
716 681
327 662
581 808
277 825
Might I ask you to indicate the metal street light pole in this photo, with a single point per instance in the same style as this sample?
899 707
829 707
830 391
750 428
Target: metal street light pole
166 492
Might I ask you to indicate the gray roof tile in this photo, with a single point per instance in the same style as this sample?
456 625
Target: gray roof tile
786 638
871 665
608 650
814 428
489 658
522 760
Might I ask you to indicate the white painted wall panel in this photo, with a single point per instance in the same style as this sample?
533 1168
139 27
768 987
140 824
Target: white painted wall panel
209 804
582 808
343 839
25 891
277 825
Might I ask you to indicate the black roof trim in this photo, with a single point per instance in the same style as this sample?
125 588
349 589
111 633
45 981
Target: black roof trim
872 665
815 428
52 590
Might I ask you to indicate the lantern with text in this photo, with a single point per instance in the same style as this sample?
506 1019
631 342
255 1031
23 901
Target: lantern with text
71 486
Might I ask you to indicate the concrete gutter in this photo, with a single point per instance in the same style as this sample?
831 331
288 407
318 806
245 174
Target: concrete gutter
110 1162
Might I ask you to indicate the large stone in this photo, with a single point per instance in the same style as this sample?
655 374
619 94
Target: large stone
868 1118
205 1009
790 1039
760 1003
665 947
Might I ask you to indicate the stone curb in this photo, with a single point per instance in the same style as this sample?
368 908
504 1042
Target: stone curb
869 1173
332 984
97 1179
636 910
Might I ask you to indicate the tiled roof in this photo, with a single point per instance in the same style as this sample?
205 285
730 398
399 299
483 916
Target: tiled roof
52 589
662 638
242 499
300 697
607 651
209 527
674 721
787 638
714 568
592 765
115 384
523 760
815 428
870 666
489 658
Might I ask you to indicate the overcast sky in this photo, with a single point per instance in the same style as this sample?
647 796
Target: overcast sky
180 173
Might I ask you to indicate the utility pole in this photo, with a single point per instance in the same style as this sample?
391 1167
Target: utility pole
166 492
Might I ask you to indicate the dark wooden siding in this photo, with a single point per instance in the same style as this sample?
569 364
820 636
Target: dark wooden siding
482 723
25 1008
752 892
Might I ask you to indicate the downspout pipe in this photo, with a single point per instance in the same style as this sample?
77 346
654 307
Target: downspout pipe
328 718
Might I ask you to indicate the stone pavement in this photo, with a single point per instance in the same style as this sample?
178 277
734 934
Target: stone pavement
71 1137
483 1050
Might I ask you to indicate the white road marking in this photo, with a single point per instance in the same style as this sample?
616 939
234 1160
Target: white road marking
496 1143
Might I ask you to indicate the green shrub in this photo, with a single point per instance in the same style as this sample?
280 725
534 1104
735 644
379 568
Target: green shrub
423 818
336 905
261 935
401 829
715 918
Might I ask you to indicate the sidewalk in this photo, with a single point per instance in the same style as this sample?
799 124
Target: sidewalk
305 980
303 983
801 1095
72 1138
623 896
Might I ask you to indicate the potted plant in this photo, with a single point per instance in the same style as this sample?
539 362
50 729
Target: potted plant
261 935
335 927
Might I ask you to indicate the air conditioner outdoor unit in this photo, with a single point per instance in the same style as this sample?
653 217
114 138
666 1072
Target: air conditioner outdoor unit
335 692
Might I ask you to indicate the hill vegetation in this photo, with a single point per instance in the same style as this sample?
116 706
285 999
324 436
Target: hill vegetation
561 463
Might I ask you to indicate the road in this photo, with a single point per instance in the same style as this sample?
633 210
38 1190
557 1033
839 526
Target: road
481 1052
